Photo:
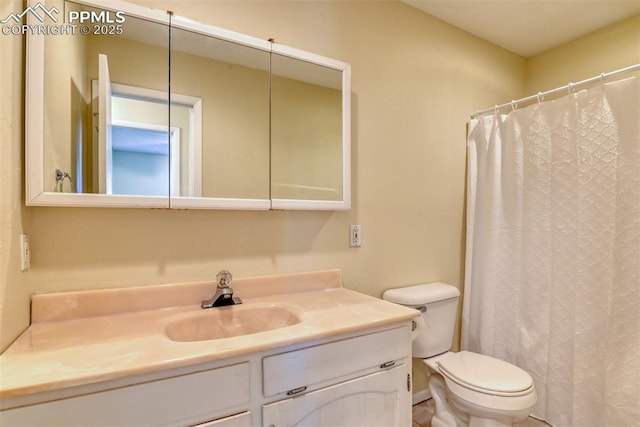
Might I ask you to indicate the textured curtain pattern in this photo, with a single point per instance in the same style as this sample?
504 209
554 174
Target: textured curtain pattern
553 251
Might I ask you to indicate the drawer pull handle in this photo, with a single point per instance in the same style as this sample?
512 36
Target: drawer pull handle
386 365
296 390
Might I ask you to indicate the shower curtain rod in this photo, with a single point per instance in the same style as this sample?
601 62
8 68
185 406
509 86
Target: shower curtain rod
570 87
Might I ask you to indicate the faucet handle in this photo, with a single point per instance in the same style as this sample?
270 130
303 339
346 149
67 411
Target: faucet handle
223 279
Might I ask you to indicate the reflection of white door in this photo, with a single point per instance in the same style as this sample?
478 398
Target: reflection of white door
104 127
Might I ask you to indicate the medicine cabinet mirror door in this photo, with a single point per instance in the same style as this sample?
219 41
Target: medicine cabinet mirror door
231 79
310 131
97 111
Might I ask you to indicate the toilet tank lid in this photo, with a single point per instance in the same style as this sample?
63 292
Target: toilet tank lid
421 294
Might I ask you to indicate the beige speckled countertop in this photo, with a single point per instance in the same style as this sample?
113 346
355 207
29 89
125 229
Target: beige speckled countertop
80 338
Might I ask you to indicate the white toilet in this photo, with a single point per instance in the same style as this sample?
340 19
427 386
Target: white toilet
468 389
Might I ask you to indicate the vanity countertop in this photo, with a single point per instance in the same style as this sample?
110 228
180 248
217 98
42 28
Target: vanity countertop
85 337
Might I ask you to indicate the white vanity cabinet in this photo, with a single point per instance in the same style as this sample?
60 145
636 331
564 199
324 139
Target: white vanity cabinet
359 378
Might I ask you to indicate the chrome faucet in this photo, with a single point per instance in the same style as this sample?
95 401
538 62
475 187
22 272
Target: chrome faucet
224 294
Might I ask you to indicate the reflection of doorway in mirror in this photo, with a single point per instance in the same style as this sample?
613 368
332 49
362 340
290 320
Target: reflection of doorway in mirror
145 159
186 143
147 113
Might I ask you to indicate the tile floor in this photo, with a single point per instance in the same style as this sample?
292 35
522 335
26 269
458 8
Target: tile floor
422 413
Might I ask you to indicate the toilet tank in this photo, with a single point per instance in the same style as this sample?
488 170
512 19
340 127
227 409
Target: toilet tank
438 303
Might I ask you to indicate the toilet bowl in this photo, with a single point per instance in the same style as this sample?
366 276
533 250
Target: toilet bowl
482 390
469 389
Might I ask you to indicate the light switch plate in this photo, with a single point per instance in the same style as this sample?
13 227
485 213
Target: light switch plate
25 252
355 236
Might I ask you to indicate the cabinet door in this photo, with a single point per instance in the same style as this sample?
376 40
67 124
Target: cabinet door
380 399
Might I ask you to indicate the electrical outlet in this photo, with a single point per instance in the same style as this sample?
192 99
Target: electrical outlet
355 236
25 252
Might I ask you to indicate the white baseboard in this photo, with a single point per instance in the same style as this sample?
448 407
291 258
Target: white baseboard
421 396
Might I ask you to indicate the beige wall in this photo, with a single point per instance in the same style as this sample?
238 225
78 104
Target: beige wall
14 284
611 48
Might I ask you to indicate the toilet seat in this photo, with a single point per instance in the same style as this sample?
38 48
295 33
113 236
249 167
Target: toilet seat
484 382
485 374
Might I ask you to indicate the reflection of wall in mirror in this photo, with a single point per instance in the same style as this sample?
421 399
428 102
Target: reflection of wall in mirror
130 62
235 134
66 96
306 141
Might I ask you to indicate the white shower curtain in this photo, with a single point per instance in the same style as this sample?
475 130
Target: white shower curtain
553 251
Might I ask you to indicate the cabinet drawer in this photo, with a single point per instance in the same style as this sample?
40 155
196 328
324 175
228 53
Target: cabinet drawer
185 399
334 361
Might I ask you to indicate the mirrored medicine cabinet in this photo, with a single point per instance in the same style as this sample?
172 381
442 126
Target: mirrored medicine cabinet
136 107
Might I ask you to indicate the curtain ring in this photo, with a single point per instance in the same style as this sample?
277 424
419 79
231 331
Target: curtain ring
495 110
602 77
514 105
540 97
570 88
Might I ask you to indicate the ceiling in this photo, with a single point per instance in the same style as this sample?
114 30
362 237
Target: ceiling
529 27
